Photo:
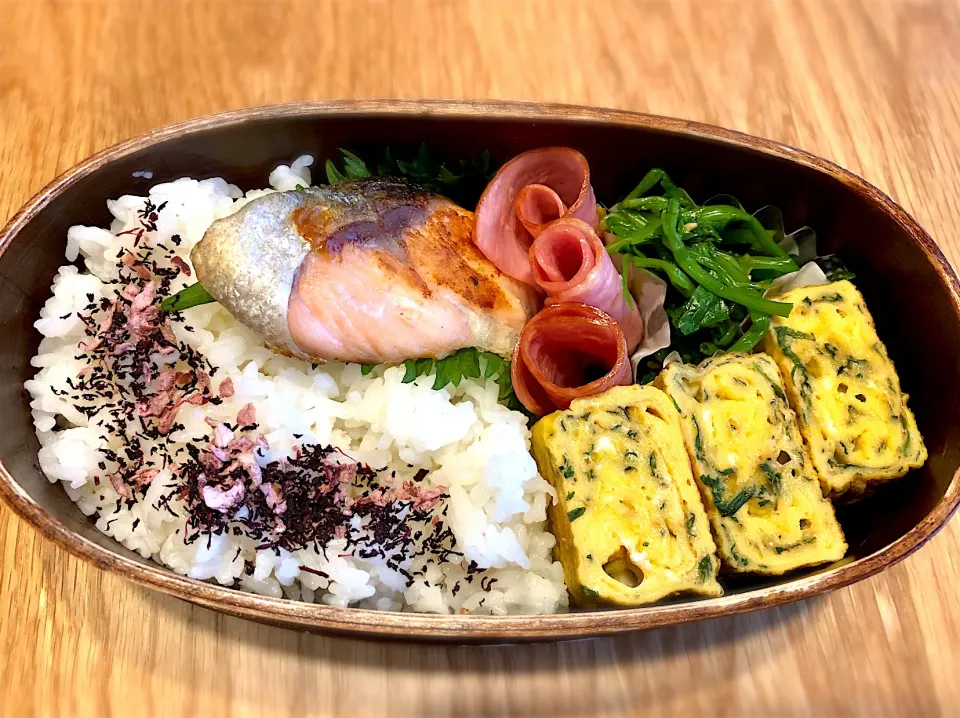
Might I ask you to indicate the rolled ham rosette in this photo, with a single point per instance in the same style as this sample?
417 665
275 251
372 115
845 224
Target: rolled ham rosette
566 352
526 194
570 263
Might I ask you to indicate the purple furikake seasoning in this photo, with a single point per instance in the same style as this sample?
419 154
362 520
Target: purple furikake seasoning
138 376
318 496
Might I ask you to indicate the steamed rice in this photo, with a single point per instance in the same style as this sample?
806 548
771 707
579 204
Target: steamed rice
469 443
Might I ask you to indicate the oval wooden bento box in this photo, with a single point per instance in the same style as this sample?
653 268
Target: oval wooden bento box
909 286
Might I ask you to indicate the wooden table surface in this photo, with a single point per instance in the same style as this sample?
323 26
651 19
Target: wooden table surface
871 84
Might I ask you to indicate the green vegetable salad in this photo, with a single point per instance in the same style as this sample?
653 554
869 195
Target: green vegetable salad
717 258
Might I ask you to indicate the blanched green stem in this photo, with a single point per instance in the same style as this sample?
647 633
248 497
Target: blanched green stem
746 297
777 264
730 263
648 182
728 336
710 262
629 222
751 337
721 215
670 190
723 265
622 244
648 203
632 228
678 279
626 284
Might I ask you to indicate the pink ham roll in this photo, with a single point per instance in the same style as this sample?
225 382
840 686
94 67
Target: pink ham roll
528 193
565 352
570 263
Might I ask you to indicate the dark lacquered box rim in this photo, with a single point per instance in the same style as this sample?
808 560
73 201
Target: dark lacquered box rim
471 628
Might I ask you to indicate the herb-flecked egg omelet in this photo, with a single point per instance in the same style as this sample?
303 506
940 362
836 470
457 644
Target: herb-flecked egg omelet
760 488
629 522
844 389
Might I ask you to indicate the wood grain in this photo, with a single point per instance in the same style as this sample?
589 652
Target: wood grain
871 84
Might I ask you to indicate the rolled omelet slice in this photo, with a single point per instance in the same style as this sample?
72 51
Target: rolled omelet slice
844 389
630 526
761 491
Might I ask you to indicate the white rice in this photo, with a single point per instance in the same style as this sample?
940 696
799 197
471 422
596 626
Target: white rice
470 443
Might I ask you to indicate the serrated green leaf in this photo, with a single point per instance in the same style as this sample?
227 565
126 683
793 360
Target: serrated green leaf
470 364
448 177
411 371
333 175
454 369
424 164
481 165
386 166
366 369
354 167
351 156
505 382
463 181
192 296
442 377
494 363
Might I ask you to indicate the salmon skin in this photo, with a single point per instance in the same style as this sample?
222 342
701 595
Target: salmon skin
373 270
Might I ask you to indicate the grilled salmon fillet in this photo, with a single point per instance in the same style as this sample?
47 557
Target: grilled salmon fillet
373 270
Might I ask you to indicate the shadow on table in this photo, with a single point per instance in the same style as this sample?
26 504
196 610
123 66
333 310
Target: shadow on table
654 643
677 657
